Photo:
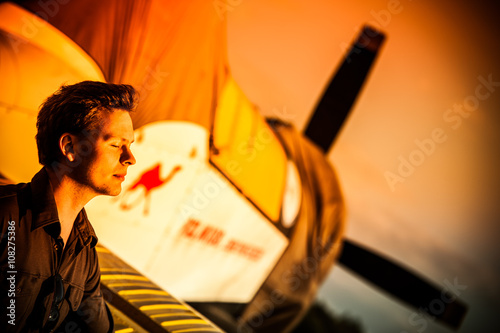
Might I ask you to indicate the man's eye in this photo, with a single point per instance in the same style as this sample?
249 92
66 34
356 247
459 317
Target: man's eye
115 146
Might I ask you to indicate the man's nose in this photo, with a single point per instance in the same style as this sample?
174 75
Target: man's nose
127 156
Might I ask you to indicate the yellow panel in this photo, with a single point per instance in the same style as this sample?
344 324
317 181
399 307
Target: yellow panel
123 277
142 292
162 307
247 151
183 322
33 30
36 59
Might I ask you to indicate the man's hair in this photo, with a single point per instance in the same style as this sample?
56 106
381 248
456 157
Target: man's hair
76 109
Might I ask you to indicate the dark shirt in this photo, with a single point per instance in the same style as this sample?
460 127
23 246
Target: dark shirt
32 252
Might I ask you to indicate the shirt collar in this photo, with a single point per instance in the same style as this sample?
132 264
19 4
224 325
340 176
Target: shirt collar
45 209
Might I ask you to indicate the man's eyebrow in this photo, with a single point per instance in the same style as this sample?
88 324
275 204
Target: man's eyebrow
110 137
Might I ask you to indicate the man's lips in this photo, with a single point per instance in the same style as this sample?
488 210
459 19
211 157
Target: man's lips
121 177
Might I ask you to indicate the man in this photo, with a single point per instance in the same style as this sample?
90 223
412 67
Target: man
49 266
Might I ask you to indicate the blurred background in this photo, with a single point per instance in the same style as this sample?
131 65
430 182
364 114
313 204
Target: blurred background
417 158
441 217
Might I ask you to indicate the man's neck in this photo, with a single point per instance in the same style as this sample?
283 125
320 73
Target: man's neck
70 198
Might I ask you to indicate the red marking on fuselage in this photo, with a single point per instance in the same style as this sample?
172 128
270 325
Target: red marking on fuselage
150 180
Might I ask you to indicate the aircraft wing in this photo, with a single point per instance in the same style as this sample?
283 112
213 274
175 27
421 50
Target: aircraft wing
139 305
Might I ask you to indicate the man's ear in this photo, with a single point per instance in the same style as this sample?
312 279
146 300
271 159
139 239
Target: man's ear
67 146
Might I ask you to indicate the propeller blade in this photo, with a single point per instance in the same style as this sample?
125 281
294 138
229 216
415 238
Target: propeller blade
341 93
407 286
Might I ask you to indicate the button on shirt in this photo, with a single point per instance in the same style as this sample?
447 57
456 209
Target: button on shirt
32 253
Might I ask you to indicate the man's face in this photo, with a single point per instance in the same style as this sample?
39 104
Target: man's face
104 167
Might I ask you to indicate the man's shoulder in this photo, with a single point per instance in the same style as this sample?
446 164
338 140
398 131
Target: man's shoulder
11 189
9 195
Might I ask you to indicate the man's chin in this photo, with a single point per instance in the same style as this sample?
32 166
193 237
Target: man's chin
115 192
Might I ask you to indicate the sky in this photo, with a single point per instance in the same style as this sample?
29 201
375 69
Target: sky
422 103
